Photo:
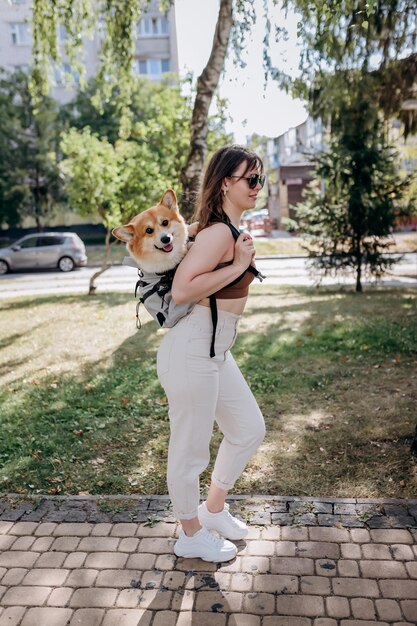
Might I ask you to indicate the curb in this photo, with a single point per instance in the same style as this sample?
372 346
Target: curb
370 513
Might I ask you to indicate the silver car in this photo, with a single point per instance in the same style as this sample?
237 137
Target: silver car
42 250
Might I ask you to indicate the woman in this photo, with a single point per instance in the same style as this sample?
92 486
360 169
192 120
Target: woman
200 387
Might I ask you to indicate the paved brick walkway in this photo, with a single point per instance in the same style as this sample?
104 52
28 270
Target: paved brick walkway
109 562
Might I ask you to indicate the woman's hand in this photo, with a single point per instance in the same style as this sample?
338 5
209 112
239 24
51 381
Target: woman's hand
244 251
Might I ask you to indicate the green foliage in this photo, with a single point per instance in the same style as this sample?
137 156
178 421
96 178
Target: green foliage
151 158
116 19
92 172
29 176
340 37
353 205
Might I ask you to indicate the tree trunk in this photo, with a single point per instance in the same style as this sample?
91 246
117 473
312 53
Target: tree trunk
206 86
39 227
105 266
358 266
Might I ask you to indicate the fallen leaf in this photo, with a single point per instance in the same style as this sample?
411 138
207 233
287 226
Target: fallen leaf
97 461
89 387
55 490
79 433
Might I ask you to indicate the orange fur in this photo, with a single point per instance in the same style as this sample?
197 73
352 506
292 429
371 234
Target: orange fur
157 238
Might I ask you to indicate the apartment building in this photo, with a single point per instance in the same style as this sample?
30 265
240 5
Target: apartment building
288 159
155 49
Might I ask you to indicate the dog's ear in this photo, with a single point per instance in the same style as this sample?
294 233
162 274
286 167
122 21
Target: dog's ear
169 199
124 233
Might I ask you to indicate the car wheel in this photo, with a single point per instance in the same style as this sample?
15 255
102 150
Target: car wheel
4 268
66 264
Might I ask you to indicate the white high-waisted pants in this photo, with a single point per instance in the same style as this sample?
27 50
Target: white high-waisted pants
200 390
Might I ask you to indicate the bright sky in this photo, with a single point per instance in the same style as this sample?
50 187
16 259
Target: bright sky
253 108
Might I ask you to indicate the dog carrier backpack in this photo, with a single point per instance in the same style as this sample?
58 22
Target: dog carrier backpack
155 295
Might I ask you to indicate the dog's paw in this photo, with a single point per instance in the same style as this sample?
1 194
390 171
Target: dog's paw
192 229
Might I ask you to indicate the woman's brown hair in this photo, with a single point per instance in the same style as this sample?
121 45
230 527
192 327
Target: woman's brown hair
223 163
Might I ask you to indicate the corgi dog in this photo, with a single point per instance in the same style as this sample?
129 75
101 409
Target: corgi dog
157 238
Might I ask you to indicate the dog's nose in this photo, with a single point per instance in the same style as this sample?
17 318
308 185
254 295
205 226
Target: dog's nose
166 239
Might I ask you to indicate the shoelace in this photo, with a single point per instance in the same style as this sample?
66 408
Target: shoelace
231 518
213 538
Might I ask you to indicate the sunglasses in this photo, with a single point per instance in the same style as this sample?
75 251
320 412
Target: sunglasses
253 180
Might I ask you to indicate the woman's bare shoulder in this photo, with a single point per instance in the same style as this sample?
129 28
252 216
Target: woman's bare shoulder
215 231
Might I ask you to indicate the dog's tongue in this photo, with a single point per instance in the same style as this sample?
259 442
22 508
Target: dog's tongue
168 247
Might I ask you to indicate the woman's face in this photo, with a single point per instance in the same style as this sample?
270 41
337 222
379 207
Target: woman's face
238 191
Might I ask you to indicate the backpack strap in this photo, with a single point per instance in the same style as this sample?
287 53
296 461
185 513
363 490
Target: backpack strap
214 317
235 233
212 299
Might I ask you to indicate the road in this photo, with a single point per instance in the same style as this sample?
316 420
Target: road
279 271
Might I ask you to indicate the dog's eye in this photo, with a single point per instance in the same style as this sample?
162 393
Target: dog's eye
149 231
165 223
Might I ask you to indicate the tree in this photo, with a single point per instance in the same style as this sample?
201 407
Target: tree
93 182
206 85
160 122
336 35
375 37
29 175
118 19
352 207
118 179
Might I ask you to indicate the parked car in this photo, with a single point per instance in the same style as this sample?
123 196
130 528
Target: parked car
64 251
255 220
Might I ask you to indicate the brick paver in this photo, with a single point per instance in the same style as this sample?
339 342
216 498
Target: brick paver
305 562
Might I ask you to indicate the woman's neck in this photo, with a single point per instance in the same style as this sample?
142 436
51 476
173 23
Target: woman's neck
234 214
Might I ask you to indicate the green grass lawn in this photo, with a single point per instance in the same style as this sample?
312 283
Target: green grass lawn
334 372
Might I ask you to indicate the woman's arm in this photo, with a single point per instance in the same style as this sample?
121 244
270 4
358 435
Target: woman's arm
195 278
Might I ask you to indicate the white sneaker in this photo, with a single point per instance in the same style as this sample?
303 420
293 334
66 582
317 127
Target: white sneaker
204 545
225 524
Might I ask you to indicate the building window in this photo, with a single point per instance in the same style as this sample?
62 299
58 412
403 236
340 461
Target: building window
62 33
23 67
153 26
154 68
21 35
63 75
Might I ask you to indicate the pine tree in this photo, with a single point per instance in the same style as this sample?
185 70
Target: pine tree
350 210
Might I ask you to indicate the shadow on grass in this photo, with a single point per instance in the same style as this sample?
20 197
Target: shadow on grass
87 432
337 388
107 299
332 376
